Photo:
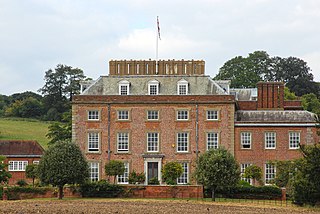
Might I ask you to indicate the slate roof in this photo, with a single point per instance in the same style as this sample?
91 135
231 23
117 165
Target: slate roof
20 148
275 116
198 85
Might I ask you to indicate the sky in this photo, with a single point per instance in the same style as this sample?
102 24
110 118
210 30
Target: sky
37 35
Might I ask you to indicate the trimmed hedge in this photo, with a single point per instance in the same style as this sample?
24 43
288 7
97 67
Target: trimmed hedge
249 192
13 193
100 189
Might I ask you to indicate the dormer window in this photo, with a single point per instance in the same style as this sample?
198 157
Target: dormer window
182 87
124 87
153 87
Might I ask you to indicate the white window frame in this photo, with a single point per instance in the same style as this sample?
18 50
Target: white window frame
35 162
182 142
212 115
243 167
123 142
152 115
184 89
123 115
269 173
182 115
294 140
124 178
151 84
153 142
246 140
94 171
93 115
17 166
212 139
93 142
270 140
124 87
184 178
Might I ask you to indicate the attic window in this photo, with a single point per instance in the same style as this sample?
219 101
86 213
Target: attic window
124 87
153 87
182 87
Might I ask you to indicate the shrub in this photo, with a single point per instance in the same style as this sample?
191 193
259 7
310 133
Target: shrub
100 189
154 181
135 178
14 192
171 171
1 191
22 183
251 192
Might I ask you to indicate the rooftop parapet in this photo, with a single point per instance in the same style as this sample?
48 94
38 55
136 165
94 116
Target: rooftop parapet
153 67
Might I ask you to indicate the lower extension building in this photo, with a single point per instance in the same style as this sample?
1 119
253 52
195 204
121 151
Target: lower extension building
148 113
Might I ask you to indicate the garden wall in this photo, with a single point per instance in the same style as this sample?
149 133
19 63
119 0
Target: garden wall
192 191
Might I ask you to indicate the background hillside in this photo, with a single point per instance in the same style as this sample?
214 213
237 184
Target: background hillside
19 129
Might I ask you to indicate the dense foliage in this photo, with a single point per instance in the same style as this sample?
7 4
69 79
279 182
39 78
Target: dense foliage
4 174
251 192
136 178
63 163
171 171
100 189
32 172
253 172
114 168
306 182
217 169
259 66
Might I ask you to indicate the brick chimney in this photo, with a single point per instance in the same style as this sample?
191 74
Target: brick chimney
270 95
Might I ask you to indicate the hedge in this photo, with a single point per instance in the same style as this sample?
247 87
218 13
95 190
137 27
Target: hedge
249 192
100 189
14 192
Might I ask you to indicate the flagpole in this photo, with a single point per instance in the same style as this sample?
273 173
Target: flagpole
157 40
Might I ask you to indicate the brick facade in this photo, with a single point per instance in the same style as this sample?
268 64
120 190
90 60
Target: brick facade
261 116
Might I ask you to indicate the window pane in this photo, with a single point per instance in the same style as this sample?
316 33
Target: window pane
153 142
270 140
124 179
246 140
212 140
123 115
153 115
93 142
182 115
183 179
270 173
182 142
243 168
294 140
212 115
123 141
94 171
93 115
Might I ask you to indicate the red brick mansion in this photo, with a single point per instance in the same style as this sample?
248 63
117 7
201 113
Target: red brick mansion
148 113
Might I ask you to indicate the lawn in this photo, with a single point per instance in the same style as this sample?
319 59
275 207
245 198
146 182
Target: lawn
19 129
140 206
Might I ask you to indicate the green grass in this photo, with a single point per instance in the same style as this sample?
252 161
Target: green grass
24 129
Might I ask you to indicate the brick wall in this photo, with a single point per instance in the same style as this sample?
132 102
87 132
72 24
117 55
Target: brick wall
20 175
138 127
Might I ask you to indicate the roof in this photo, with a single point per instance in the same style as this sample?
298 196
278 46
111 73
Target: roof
198 85
20 148
275 116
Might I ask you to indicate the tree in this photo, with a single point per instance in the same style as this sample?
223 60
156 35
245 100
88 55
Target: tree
114 168
4 174
63 163
306 182
60 85
171 171
288 95
60 132
253 172
217 169
32 172
259 66
310 102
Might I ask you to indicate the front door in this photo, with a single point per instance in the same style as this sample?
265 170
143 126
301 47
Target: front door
152 170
